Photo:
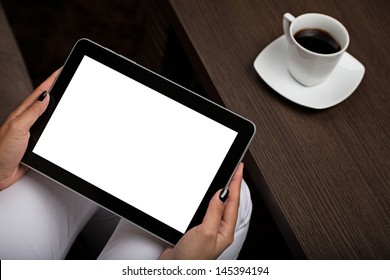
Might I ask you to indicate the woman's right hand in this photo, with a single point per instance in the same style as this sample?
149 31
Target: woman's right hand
15 133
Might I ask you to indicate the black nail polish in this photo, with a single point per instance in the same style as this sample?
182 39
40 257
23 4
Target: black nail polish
42 96
224 194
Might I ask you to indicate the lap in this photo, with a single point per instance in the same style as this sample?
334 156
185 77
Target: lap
131 242
40 219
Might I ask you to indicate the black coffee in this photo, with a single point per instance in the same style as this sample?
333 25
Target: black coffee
317 40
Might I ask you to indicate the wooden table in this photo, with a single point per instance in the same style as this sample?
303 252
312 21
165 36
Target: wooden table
323 173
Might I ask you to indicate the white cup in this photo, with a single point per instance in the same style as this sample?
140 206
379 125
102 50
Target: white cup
306 66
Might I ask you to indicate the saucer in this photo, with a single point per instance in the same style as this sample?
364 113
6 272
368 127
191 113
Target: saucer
271 65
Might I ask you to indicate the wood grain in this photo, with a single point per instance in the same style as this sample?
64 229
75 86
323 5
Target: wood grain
324 173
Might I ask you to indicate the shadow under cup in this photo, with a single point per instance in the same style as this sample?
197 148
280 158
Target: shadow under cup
308 66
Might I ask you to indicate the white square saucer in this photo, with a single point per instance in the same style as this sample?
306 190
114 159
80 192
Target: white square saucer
271 65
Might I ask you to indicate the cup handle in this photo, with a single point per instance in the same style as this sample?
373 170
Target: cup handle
287 20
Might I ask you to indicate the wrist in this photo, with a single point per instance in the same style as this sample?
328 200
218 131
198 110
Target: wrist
7 181
167 254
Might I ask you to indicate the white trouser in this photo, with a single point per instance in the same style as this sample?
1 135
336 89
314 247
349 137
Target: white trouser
40 219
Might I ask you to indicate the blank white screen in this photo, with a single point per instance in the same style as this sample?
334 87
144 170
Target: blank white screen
134 143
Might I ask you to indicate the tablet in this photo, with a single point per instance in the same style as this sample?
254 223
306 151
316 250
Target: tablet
136 143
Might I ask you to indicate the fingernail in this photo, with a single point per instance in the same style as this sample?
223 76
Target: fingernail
224 194
42 96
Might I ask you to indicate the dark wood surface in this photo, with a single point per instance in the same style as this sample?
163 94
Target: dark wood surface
324 174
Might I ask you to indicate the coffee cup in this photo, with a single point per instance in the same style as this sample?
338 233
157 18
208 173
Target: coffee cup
316 42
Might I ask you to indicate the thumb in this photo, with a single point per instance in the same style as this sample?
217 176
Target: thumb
214 213
34 111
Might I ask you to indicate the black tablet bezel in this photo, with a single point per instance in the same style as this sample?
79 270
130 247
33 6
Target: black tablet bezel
245 130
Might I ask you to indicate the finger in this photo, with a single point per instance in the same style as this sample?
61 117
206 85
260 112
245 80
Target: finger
45 86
